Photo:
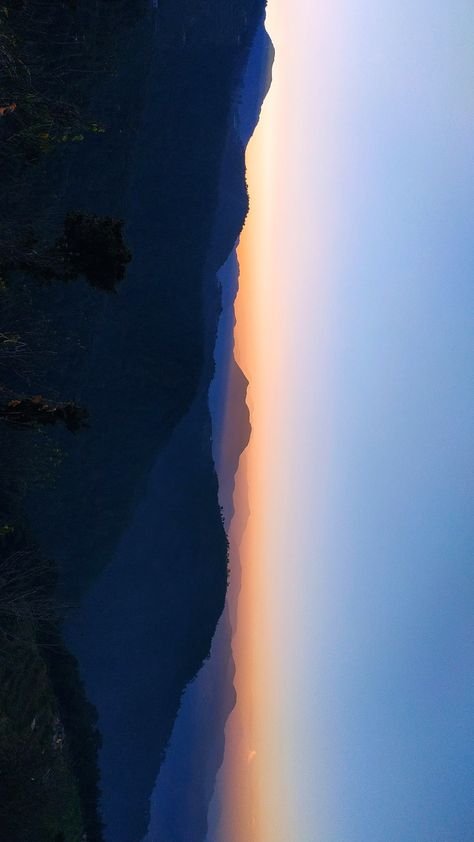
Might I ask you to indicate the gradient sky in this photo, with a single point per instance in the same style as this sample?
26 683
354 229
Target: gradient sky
355 641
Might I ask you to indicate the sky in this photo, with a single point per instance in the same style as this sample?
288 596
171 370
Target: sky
354 640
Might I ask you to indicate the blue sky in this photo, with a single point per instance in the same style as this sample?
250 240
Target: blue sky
368 496
394 689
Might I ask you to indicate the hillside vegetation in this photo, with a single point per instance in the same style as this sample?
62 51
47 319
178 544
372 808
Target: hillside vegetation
56 63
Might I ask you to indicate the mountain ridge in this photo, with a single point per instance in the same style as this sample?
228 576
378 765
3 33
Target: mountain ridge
186 783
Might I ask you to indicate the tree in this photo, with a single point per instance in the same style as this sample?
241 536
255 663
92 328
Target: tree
30 412
91 245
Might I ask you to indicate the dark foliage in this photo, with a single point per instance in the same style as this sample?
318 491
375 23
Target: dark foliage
27 584
54 60
48 735
26 412
79 718
93 246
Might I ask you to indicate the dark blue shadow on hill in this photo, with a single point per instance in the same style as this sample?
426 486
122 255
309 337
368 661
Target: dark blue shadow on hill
148 621
186 783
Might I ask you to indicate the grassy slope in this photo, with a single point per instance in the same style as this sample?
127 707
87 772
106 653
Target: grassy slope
39 795
48 736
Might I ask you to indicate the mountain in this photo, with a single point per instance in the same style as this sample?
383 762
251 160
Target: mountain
133 518
185 785
136 518
147 623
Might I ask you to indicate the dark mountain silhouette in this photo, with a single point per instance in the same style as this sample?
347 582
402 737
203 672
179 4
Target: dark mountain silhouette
134 518
136 362
186 783
147 623
144 556
236 435
257 83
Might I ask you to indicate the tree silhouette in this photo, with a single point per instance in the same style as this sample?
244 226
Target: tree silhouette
91 245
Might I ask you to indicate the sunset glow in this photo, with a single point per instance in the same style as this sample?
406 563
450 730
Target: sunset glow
347 170
256 801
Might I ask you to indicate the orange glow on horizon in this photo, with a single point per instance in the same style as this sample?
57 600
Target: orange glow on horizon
248 771
255 803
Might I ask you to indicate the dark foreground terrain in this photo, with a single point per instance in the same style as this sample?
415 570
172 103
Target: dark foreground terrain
119 111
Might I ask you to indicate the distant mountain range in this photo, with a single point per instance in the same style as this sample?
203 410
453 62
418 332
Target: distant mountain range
135 519
185 785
